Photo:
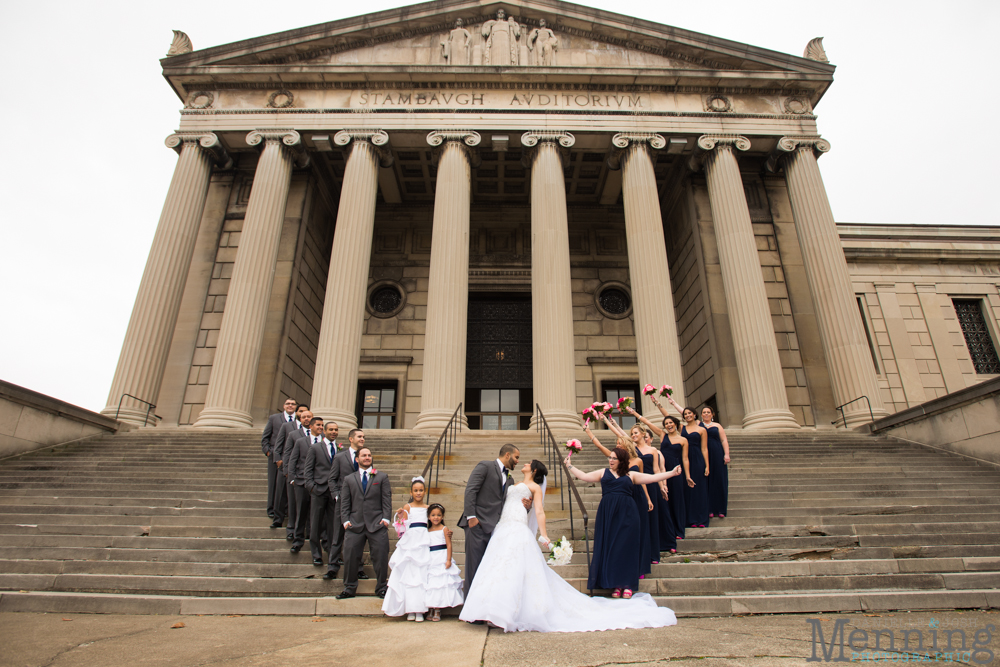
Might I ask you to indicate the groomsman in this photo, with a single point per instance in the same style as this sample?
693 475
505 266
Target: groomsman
322 521
366 505
344 464
282 448
267 442
295 463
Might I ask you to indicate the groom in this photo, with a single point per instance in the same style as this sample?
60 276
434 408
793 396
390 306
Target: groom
484 496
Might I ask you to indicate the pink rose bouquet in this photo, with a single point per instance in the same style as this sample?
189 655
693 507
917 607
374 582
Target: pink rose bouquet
574 446
666 390
648 390
624 403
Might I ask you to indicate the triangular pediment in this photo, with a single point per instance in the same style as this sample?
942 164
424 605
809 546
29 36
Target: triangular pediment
557 37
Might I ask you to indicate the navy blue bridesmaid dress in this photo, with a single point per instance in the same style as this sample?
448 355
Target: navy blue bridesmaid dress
718 478
696 499
677 509
616 536
654 516
644 555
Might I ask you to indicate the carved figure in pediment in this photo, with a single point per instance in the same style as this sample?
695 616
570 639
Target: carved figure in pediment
455 46
543 43
502 37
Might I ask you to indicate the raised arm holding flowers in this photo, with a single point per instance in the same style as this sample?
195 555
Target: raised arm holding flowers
652 427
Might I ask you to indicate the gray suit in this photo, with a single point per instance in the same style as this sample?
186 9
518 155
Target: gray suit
284 501
341 468
322 520
267 442
484 496
366 509
295 463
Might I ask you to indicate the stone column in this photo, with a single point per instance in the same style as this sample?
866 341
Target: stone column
448 283
764 398
656 341
335 382
554 369
848 358
234 369
154 316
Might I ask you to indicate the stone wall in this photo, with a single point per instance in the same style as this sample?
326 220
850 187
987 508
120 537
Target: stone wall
30 421
966 422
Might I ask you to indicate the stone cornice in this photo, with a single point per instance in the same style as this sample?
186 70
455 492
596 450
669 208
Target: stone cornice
923 255
208 141
288 138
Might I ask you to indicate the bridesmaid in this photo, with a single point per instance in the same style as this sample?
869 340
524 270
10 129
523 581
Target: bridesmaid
662 535
718 458
642 501
616 528
674 448
696 497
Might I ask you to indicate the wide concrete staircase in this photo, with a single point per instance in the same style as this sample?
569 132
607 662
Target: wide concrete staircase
158 521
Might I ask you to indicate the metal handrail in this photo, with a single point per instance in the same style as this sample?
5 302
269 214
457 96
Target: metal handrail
551 448
150 408
442 450
843 417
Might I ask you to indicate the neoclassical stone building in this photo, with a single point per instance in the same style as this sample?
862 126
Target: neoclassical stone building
508 204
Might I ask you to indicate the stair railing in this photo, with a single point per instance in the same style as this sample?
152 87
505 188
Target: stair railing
150 407
843 417
442 450
551 448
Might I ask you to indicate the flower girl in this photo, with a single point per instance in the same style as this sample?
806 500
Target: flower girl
406 593
444 581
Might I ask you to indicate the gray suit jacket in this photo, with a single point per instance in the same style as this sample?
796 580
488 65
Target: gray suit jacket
271 430
484 495
341 469
318 464
295 455
366 509
281 452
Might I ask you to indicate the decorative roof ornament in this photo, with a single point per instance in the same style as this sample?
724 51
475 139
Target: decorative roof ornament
815 51
180 45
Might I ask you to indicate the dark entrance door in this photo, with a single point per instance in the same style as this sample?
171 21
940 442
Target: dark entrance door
498 377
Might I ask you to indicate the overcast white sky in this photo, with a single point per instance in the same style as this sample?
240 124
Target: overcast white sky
85 110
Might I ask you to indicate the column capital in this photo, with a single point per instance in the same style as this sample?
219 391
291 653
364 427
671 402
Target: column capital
532 137
286 137
623 139
470 138
709 142
377 138
787 145
207 140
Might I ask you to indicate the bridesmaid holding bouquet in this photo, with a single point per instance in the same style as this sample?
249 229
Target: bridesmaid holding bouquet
674 448
718 459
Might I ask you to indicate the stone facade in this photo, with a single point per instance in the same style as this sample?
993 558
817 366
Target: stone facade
651 192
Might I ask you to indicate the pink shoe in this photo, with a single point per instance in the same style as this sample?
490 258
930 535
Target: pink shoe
673 551
642 576
722 516
627 593
711 516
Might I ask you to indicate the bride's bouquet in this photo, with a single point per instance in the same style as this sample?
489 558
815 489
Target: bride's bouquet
561 552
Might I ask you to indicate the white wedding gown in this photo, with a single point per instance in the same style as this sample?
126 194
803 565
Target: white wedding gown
515 589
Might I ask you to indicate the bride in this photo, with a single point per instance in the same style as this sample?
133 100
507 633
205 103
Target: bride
515 590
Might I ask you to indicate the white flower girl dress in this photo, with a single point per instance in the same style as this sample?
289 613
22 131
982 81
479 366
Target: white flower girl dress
409 562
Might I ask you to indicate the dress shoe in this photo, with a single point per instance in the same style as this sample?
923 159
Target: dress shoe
330 576
289 537
362 575
380 596
270 515
276 524
295 550
477 622
318 562
343 595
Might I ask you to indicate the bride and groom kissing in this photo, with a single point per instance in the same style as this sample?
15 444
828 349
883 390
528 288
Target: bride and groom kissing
507 581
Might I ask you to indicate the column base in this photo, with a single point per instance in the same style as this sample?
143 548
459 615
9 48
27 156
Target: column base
223 418
436 420
345 420
132 416
560 421
770 420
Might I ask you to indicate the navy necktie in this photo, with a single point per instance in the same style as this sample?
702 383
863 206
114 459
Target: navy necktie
355 463
364 481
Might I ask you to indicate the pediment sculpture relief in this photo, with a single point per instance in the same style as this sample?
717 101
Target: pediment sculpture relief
543 44
456 47
502 45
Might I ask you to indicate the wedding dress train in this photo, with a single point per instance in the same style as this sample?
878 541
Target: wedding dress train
515 589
